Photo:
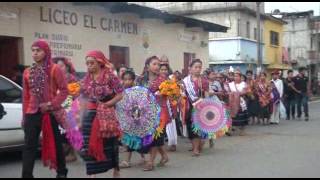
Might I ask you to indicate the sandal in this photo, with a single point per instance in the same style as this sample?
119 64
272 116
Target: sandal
163 162
172 148
197 154
148 167
124 164
211 143
116 175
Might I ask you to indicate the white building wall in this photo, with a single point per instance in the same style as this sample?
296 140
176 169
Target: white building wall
228 19
235 20
169 39
297 37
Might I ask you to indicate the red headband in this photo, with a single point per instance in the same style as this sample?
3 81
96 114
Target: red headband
43 44
99 56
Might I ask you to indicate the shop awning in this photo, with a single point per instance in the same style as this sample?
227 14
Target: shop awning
147 12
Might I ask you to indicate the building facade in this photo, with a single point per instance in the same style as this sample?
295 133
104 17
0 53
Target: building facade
301 39
126 33
239 17
314 53
240 53
273 40
297 37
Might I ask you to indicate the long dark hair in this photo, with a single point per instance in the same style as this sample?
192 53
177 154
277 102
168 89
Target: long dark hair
147 64
195 61
144 77
167 66
130 73
122 66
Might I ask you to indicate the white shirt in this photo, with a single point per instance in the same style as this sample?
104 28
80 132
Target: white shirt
215 86
239 88
279 85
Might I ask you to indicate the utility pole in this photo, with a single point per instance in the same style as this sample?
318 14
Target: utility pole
259 68
316 27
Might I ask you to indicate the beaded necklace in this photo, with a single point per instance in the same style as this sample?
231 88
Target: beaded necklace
37 78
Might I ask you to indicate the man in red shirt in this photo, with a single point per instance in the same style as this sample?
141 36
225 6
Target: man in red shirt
41 104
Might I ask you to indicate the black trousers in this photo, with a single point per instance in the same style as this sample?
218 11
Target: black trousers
32 129
290 107
302 101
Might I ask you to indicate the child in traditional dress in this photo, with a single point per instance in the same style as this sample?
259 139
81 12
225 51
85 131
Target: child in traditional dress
128 78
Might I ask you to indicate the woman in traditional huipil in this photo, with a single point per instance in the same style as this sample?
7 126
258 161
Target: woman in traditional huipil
152 79
252 99
100 91
237 103
171 128
263 91
196 87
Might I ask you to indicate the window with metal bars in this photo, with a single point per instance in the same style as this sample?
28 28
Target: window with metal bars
274 38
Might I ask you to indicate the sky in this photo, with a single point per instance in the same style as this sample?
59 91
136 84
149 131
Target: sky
293 6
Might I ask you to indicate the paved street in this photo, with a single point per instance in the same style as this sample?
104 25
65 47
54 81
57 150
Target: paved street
288 150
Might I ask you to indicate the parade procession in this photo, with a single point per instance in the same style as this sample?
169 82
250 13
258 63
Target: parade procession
103 82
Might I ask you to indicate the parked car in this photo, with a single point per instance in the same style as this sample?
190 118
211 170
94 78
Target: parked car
11 133
2 111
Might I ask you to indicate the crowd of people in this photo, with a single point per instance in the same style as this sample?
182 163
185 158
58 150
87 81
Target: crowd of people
249 98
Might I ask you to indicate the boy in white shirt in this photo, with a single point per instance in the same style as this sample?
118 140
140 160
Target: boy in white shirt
275 117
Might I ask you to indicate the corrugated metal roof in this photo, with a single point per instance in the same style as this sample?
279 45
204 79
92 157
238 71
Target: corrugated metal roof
272 18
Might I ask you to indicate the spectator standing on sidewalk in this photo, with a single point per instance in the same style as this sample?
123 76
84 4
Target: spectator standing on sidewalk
290 93
302 85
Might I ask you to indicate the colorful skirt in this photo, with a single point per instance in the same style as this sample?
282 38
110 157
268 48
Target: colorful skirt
191 134
241 119
111 148
253 108
265 112
143 150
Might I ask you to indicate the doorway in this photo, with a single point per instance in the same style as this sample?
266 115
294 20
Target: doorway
9 55
187 58
119 56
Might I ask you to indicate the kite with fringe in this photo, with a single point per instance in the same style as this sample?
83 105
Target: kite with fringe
139 116
210 119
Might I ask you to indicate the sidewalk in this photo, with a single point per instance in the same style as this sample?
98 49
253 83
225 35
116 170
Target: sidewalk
315 98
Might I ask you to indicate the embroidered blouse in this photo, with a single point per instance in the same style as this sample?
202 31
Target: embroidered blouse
56 83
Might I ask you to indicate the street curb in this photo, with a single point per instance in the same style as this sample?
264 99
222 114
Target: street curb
315 101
